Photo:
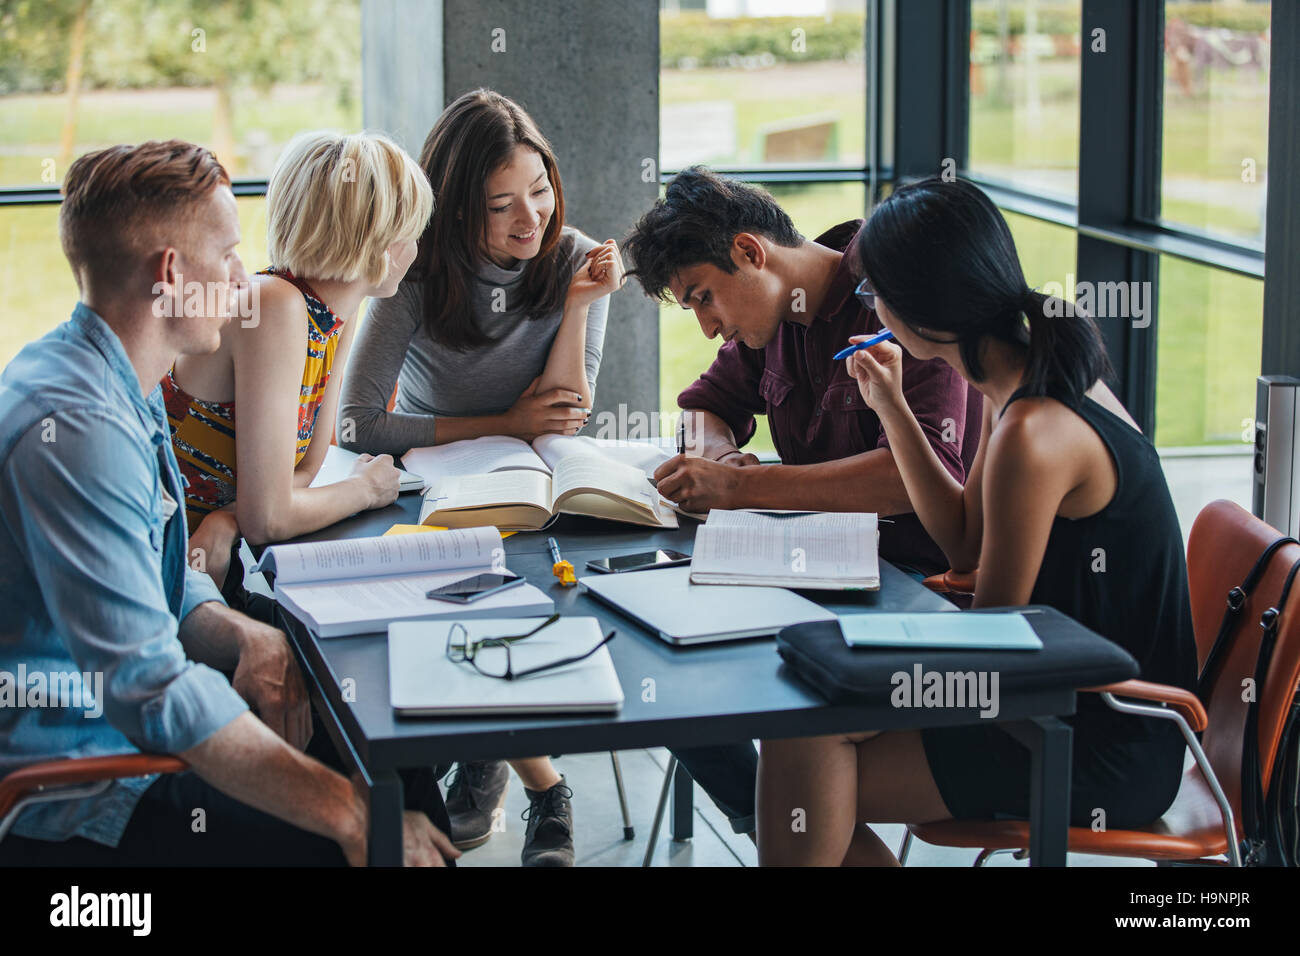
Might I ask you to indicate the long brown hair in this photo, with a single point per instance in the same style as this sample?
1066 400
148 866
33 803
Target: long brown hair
472 138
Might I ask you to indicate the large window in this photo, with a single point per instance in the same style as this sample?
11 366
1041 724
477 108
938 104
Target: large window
76 75
79 74
1024 93
785 86
1149 137
760 88
1208 356
1215 131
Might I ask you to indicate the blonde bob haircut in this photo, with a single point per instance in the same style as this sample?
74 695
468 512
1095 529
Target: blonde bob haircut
336 203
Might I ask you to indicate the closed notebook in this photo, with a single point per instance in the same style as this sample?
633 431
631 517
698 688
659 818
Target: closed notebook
956 629
423 682
666 603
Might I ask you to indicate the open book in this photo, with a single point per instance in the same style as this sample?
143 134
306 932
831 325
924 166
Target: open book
508 483
360 585
825 551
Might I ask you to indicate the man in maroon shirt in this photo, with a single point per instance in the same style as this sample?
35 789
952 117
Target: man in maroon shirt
784 306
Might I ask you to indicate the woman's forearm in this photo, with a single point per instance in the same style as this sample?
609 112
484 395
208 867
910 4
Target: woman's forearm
566 364
937 498
477 426
305 510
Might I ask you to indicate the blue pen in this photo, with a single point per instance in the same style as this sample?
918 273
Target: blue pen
876 339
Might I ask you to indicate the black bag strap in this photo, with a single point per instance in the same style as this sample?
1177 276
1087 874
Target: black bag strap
1236 601
1252 769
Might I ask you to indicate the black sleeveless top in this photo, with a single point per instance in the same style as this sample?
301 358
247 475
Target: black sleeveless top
1122 573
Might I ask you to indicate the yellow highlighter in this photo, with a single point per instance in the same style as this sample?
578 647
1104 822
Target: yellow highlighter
562 569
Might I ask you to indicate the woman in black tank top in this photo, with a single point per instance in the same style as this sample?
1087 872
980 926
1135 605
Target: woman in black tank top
1065 505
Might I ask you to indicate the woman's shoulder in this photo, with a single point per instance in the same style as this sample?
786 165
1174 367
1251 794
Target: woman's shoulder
1037 429
276 303
403 307
576 243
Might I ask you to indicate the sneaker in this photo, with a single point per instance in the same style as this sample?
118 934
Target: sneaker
474 792
549 839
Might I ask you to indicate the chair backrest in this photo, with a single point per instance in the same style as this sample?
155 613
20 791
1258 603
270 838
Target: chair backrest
1224 544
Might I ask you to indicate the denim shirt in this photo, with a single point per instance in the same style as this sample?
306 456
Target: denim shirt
93 577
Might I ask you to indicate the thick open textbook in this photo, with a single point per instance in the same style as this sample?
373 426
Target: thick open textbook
360 585
825 551
508 483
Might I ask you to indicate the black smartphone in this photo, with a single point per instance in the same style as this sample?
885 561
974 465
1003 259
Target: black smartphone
477 586
662 558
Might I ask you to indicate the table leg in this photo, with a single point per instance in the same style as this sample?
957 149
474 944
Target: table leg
682 820
384 847
1049 740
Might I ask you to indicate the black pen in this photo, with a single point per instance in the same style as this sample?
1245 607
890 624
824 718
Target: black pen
681 444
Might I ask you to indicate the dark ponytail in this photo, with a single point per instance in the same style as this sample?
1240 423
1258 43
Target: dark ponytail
1066 355
941 255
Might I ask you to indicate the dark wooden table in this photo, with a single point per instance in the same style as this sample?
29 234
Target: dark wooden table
702 695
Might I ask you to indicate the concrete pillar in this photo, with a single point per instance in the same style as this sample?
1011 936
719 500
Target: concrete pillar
401 68
588 73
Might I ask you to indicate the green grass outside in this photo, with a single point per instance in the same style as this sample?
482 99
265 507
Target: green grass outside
31 129
761 97
39 290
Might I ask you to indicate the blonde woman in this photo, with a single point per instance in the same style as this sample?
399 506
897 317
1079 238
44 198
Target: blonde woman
344 213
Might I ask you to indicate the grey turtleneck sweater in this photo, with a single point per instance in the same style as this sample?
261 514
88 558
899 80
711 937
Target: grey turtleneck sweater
433 380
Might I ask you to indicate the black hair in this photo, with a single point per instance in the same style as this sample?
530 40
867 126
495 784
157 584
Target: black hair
695 222
941 255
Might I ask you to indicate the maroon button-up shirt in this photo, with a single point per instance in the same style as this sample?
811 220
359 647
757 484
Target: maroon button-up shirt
816 412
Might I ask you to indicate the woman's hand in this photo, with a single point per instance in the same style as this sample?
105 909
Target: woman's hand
600 275
554 411
379 478
879 373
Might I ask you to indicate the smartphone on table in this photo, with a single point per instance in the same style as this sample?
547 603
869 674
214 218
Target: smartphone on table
661 558
475 587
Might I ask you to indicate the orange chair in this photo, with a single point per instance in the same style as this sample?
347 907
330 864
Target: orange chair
1204 821
73 779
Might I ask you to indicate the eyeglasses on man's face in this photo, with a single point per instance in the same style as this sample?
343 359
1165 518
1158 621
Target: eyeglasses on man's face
865 294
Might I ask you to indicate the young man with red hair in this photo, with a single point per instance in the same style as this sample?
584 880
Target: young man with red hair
95 579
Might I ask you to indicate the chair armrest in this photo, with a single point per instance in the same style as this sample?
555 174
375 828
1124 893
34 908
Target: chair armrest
1182 701
952 582
59 773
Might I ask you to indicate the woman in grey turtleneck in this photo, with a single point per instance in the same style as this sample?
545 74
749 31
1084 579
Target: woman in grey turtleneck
498 327
497 330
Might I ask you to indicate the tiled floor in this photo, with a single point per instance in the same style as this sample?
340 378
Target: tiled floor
598 824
